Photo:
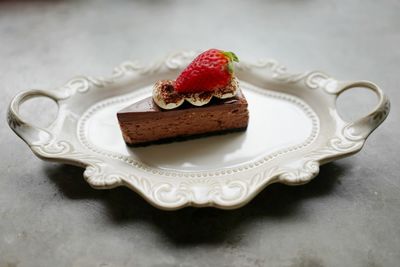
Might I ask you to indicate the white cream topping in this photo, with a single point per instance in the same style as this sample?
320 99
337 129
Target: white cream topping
166 98
161 95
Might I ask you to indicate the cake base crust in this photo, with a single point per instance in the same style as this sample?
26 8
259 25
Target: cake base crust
186 137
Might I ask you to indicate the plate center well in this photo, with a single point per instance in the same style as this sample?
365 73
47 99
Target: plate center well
277 122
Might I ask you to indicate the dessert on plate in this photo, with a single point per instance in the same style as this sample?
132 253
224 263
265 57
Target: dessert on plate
205 99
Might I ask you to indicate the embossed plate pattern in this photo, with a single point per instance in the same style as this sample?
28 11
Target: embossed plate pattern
294 128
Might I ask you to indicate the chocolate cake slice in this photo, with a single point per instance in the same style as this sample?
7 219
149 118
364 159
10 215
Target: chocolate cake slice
144 122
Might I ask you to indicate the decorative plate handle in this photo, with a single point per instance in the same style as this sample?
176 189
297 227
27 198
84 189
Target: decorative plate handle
363 127
31 134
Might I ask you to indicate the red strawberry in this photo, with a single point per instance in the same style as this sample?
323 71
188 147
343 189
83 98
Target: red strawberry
210 70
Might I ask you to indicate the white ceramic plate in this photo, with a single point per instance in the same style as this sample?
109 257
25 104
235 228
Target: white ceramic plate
294 128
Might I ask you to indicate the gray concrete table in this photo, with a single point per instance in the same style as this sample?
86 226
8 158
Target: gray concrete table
348 216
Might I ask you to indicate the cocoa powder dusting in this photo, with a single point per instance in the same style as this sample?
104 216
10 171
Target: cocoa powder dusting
230 88
169 95
168 92
199 96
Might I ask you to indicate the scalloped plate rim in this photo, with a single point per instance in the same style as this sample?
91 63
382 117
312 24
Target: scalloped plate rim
229 190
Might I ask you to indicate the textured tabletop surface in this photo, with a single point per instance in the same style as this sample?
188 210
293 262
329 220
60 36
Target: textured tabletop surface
349 215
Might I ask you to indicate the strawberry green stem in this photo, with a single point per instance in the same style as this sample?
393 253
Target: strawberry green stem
231 56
